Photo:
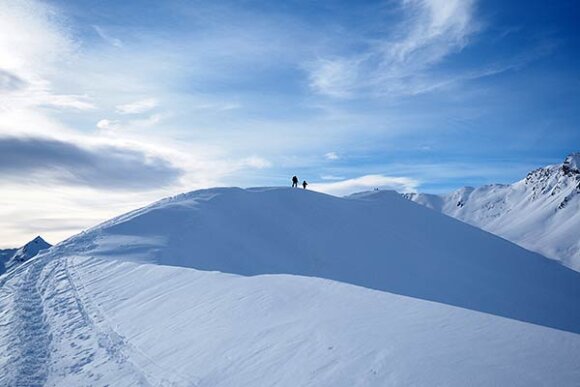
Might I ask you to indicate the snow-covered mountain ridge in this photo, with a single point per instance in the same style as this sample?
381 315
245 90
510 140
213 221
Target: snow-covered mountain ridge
540 212
278 286
9 258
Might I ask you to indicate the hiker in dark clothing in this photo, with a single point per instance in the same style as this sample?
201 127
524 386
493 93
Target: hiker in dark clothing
304 184
294 182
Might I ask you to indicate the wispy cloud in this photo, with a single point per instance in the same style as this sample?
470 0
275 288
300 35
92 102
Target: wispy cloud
138 107
430 31
109 125
107 37
337 77
112 127
32 42
331 156
366 183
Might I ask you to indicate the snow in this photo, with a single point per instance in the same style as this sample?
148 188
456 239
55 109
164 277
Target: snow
541 212
10 258
572 162
30 249
274 286
5 255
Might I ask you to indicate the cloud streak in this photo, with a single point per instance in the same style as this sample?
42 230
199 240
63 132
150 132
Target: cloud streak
430 31
331 156
100 166
137 107
113 41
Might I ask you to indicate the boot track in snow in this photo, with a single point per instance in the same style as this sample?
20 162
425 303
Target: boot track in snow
33 333
53 324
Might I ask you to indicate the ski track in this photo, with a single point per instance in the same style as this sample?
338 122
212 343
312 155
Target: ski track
52 324
116 345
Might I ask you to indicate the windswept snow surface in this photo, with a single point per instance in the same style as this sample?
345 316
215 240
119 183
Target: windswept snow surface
231 287
540 212
5 256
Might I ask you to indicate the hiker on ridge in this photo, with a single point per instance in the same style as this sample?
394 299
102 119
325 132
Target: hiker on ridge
294 182
304 184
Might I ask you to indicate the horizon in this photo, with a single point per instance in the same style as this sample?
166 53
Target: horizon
108 107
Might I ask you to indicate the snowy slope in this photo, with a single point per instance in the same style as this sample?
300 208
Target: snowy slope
231 287
540 212
5 256
9 258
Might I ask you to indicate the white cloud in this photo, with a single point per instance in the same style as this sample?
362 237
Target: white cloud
430 31
113 126
331 156
32 44
30 37
337 77
366 183
137 107
437 29
106 124
77 102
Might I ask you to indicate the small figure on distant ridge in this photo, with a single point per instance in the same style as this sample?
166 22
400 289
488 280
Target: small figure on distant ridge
304 184
294 182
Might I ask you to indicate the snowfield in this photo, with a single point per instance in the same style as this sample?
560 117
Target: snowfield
286 287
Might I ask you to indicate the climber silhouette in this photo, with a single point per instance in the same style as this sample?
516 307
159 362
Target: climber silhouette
294 182
304 184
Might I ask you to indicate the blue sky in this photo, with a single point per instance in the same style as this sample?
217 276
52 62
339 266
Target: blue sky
107 105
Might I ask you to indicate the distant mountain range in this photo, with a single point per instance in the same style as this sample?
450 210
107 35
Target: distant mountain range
540 212
12 257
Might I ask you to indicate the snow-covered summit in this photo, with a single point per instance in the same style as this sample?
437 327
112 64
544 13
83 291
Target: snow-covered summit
12 257
540 212
30 249
387 244
572 163
555 179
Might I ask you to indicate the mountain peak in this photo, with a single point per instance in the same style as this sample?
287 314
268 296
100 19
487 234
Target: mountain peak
572 163
30 249
12 257
38 240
